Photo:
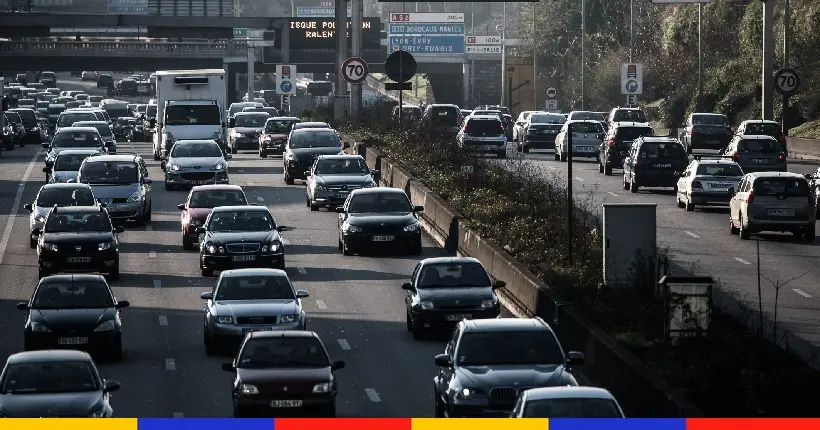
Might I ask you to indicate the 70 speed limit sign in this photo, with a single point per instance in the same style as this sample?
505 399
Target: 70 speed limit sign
354 70
786 81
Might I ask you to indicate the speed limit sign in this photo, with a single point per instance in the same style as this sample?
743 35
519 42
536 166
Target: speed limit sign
354 70
786 81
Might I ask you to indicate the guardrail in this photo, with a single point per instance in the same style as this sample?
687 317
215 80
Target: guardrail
220 49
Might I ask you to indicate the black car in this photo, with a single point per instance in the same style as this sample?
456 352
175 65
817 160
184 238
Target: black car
49 79
303 146
78 239
246 128
706 131
234 237
127 87
280 372
54 384
617 142
30 123
378 218
333 177
74 312
445 290
654 162
18 129
488 362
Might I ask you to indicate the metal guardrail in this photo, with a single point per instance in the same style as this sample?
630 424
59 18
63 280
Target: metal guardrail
219 49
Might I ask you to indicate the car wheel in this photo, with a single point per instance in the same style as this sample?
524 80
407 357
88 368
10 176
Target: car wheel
187 244
240 412
439 408
732 229
288 179
263 154
633 187
557 155
409 322
329 411
114 274
600 167
502 154
563 158
234 150
157 158
116 351
140 220
346 250
32 243
416 249
607 170
745 234
341 245
150 212
168 187
313 207
626 184
210 348
208 273
809 234
689 205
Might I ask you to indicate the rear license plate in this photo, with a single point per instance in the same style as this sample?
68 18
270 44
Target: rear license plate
244 258
250 330
73 340
457 317
285 403
781 212
585 148
79 259
384 238
760 160
711 142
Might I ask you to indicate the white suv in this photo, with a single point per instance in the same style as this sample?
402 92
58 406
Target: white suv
772 201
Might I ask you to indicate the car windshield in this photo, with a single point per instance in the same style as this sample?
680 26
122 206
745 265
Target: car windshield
116 110
47 75
251 121
241 221
790 187
719 170
72 295
301 125
530 347
589 116
261 353
453 275
78 222
216 198
25 102
345 166
759 145
14 118
379 202
109 172
445 115
315 139
196 150
547 119
586 127
710 120
278 126
629 116
238 107
484 127
69 162
28 116
95 99
103 129
70 118
43 104
76 139
254 288
192 115
151 111
571 408
763 129
55 109
65 197
494 113
49 377
632 133
661 150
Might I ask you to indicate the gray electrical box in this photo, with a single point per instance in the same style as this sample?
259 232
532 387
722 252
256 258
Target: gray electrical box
629 241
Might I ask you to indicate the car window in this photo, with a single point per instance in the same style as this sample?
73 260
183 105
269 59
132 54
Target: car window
77 295
283 352
571 408
484 127
759 145
346 166
109 172
720 170
314 139
69 162
586 127
254 288
151 111
509 347
77 222
195 150
13 117
379 202
216 198
547 119
592 116
632 133
251 120
70 118
282 127
65 197
444 115
103 129
710 120
763 129
791 187
77 139
660 150
629 116
301 125
453 275
241 221
237 107
49 377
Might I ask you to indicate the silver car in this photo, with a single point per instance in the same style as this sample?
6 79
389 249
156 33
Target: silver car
67 165
59 195
757 153
772 201
587 136
247 300
105 132
195 162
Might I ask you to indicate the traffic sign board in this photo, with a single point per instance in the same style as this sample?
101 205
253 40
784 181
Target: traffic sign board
786 81
354 70
400 66
631 99
551 92
483 49
631 78
484 40
425 17
551 104
286 79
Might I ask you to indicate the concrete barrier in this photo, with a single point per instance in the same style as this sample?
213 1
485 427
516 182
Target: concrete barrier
641 392
803 147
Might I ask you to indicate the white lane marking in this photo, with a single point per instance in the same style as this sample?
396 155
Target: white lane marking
612 194
742 260
259 199
343 343
321 304
553 167
579 179
802 293
285 241
692 234
152 254
149 228
302 270
372 395
179 415
170 364
157 283
241 171
163 320
16 206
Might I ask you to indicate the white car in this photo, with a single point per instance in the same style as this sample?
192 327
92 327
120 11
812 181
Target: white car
567 402
706 182
67 165
90 76
195 162
518 126
587 136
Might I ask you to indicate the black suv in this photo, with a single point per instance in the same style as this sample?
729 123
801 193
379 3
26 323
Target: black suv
488 362
617 142
78 239
654 162
304 146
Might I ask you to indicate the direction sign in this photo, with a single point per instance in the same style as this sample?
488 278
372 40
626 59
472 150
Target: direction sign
631 78
318 12
286 79
483 40
426 29
427 18
128 7
551 92
483 49
354 70
426 33
427 44
551 104
786 81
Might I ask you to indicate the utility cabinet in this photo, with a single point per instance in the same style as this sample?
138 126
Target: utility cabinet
630 244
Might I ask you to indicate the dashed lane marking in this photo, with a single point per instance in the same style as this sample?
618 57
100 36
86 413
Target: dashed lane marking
612 194
302 270
152 254
285 242
343 343
321 304
802 293
240 171
372 395
742 260
163 320
170 364
4 242
157 283
692 234
179 415
259 199
552 167
579 179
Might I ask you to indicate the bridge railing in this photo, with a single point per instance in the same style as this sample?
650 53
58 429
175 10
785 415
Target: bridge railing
217 49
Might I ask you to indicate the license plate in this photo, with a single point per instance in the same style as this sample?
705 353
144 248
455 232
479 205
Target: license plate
73 340
711 142
760 160
384 238
285 403
199 182
344 193
79 259
781 212
249 330
458 317
585 148
244 258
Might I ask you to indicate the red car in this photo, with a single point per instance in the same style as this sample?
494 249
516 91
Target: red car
272 140
201 200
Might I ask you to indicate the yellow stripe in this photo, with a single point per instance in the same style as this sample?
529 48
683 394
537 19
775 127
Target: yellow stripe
480 424
68 424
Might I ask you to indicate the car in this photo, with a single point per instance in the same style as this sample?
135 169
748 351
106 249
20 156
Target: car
236 108
488 362
247 127
304 146
54 112
273 137
49 79
759 127
567 402
378 218
29 381
105 81
195 162
78 239
81 97
18 130
483 133
622 114
29 118
67 165
148 129
333 177
298 360
310 124
583 115
617 142
53 90
74 312
21 78
757 153
706 182
272 111
114 108
201 200
654 162
814 186
539 131
444 120
72 138
238 237
706 131
67 119
586 139
120 182
408 112
89 76
445 290
105 131
248 300
59 195
94 101
772 201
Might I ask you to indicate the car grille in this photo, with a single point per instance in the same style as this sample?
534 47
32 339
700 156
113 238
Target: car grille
197 176
381 229
286 389
504 394
343 187
86 249
462 305
255 320
242 248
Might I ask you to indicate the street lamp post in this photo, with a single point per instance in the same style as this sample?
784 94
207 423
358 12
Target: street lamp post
501 29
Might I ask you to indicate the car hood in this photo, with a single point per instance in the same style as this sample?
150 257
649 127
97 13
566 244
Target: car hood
243 236
276 136
72 319
55 151
306 153
343 179
84 238
256 308
391 218
114 191
248 130
286 375
488 377
199 213
204 163
65 175
50 405
463 295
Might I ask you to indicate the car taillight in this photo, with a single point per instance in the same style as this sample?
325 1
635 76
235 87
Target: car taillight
466 127
697 184
781 157
691 131
611 142
736 157
751 198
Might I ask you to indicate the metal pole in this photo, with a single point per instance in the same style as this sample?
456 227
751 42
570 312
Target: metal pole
631 29
341 56
700 57
251 72
504 56
787 16
472 56
356 51
535 85
583 52
569 193
767 79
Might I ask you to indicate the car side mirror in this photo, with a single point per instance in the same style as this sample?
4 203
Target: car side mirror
499 284
575 358
443 360
36 232
123 304
731 191
207 296
111 386
228 156
346 145
301 294
375 173
307 173
23 306
47 169
337 365
281 228
181 206
228 367
407 286
29 207
809 176
119 229
46 145
340 210
232 123
418 208
200 230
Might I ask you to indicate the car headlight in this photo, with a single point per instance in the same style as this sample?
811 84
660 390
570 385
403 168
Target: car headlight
470 393
323 387
369 184
288 318
347 228
107 326
56 179
238 135
248 389
136 197
194 222
39 327
169 137
50 247
224 320
105 245
488 303
99 413
174 167
412 227
426 304
289 156
222 165
266 140
321 188
39 218
273 247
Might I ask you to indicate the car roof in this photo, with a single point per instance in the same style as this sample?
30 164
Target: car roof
659 139
632 124
91 122
240 208
282 118
706 114
254 271
484 117
789 175
77 209
756 137
65 185
312 129
314 123
725 160
54 355
114 157
627 108
77 130
374 190
582 121
77 152
502 324
760 121
250 113
284 333
449 260
195 141
340 157
78 277
544 393
217 187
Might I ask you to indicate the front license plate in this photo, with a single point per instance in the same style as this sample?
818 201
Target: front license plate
286 403
244 258
199 182
384 238
249 330
79 259
781 212
458 317
585 149
73 340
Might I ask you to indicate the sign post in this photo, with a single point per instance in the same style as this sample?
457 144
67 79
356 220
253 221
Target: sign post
631 81
551 93
483 45
786 82
355 70
286 79
400 66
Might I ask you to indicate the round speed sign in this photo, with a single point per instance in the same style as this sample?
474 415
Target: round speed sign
786 81
355 70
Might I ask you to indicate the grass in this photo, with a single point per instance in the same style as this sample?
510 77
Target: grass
419 83
809 130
